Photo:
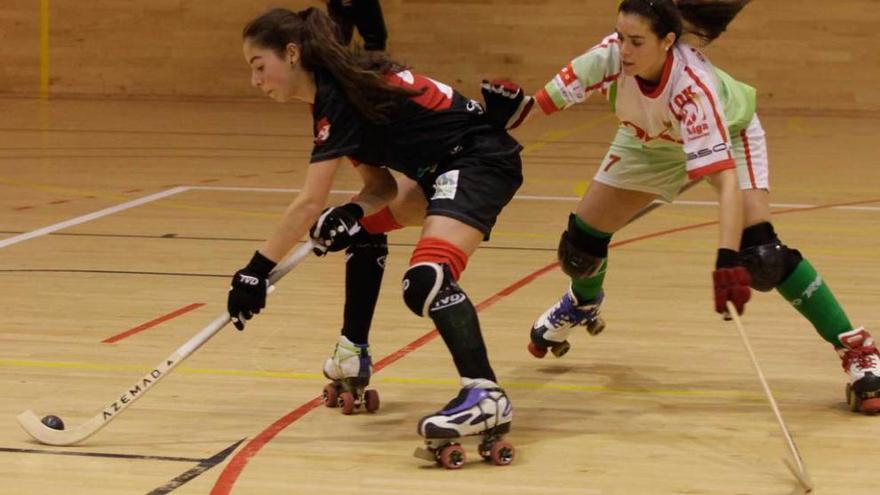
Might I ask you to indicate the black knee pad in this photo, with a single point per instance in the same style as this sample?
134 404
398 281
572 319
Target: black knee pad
580 254
429 287
768 261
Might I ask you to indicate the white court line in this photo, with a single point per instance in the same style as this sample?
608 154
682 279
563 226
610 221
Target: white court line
91 216
524 197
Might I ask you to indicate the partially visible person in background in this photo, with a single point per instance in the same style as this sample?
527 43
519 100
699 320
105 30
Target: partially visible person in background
365 15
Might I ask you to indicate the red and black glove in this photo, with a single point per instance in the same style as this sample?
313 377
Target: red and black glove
336 228
507 106
731 282
247 292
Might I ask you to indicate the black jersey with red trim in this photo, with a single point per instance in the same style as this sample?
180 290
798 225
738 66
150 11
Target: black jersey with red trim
425 130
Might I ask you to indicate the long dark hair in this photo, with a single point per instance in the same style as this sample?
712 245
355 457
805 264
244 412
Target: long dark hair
706 19
361 74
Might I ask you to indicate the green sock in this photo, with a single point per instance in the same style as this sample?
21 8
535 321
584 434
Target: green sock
809 294
586 289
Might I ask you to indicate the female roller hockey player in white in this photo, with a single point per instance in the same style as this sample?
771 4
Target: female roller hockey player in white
680 117
370 109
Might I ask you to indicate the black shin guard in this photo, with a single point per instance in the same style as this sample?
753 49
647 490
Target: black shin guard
363 279
454 315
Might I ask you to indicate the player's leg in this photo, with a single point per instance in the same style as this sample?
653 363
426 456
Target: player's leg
628 180
466 197
350 365
370 24
774 265
342 12
430 288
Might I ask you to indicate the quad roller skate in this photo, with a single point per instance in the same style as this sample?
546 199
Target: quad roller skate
552 329
481 408
349 369
861 361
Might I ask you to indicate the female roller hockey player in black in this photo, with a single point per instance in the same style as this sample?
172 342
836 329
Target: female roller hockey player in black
369 108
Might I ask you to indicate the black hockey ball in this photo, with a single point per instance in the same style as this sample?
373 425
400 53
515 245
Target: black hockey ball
53 422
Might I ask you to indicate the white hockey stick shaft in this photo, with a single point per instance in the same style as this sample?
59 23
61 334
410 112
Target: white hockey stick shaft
801 471
43 434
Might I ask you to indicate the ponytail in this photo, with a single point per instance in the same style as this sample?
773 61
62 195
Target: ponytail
709 19
361 74
706 19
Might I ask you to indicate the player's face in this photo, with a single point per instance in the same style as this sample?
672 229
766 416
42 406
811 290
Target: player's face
642 53
271 74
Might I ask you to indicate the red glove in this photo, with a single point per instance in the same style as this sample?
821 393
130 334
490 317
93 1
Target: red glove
731 282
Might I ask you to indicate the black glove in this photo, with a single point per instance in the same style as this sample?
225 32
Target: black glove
731 281
247 293
336 227
506 104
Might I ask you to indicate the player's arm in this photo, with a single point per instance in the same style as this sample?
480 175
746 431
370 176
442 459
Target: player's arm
707 146
378 190
250 285
507 105
303 210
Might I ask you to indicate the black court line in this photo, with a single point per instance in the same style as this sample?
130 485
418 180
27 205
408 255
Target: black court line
174 236
102 454
113 272
204 465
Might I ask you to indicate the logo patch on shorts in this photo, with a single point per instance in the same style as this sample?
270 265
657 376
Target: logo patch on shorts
322 131
446 185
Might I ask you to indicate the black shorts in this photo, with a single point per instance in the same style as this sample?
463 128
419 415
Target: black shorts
474 186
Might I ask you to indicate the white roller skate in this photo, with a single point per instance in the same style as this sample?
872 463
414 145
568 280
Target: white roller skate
481 408
350 368
552 329
861 361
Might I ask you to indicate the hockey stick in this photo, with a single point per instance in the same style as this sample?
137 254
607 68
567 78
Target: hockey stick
657 204
43 434
799 471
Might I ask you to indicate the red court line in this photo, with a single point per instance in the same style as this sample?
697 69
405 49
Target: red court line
227 478
152 323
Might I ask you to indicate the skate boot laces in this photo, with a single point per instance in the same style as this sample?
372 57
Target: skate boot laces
862 359
569 313
349 360
859 353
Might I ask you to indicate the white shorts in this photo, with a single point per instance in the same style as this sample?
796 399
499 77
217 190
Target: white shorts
629 164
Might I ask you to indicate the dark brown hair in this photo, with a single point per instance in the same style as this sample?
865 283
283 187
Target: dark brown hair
361 74
704 18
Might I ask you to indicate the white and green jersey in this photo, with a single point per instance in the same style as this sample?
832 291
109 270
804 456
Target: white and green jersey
694 106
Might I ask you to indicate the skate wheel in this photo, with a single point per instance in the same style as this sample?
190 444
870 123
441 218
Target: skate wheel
852 399
347 402
538 352
502 453
561 349
331 398
371 400
596 327
871 406
452 456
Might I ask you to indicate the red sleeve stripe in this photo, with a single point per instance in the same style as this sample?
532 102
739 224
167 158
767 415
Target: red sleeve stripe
748 149
718 121
711 169
545 102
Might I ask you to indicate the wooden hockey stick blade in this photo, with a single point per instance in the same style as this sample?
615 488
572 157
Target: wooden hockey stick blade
802 477
31 423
